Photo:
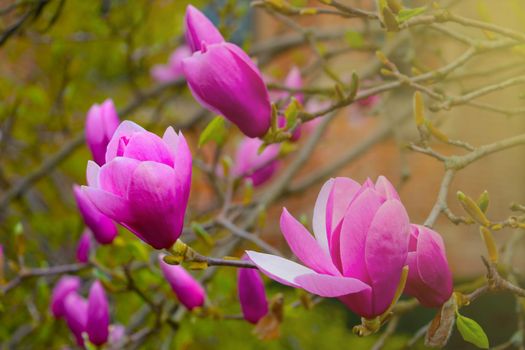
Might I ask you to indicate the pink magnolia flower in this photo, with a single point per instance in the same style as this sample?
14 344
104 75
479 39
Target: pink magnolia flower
145 183
97 319
188 290
359 249
84 246
67 284
429 276
101 122
75 313
224 79
199 29
252 296
253 166
102 227
173 70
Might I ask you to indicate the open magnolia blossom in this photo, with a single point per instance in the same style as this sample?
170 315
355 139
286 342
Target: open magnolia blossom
145 183
359 250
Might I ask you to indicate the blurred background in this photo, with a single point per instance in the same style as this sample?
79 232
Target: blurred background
58 57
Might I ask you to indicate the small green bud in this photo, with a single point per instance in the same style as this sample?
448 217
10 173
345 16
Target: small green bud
472 209
354 86
483 201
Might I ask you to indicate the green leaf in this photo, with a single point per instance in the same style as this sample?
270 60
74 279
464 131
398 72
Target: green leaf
215 130
354 86
354 39
472 332
406 14
291 113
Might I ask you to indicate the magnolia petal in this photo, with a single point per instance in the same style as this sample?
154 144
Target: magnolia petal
279 269
304 246
198 29
356 224
115 207
182 163
111 120
385 188
330 286
67 284
102 227
92 171
224 81
319 217
153 204
252 295
97 322
432 265
386 251
115 176
125 129
361 303
342 194
148 146
75 311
